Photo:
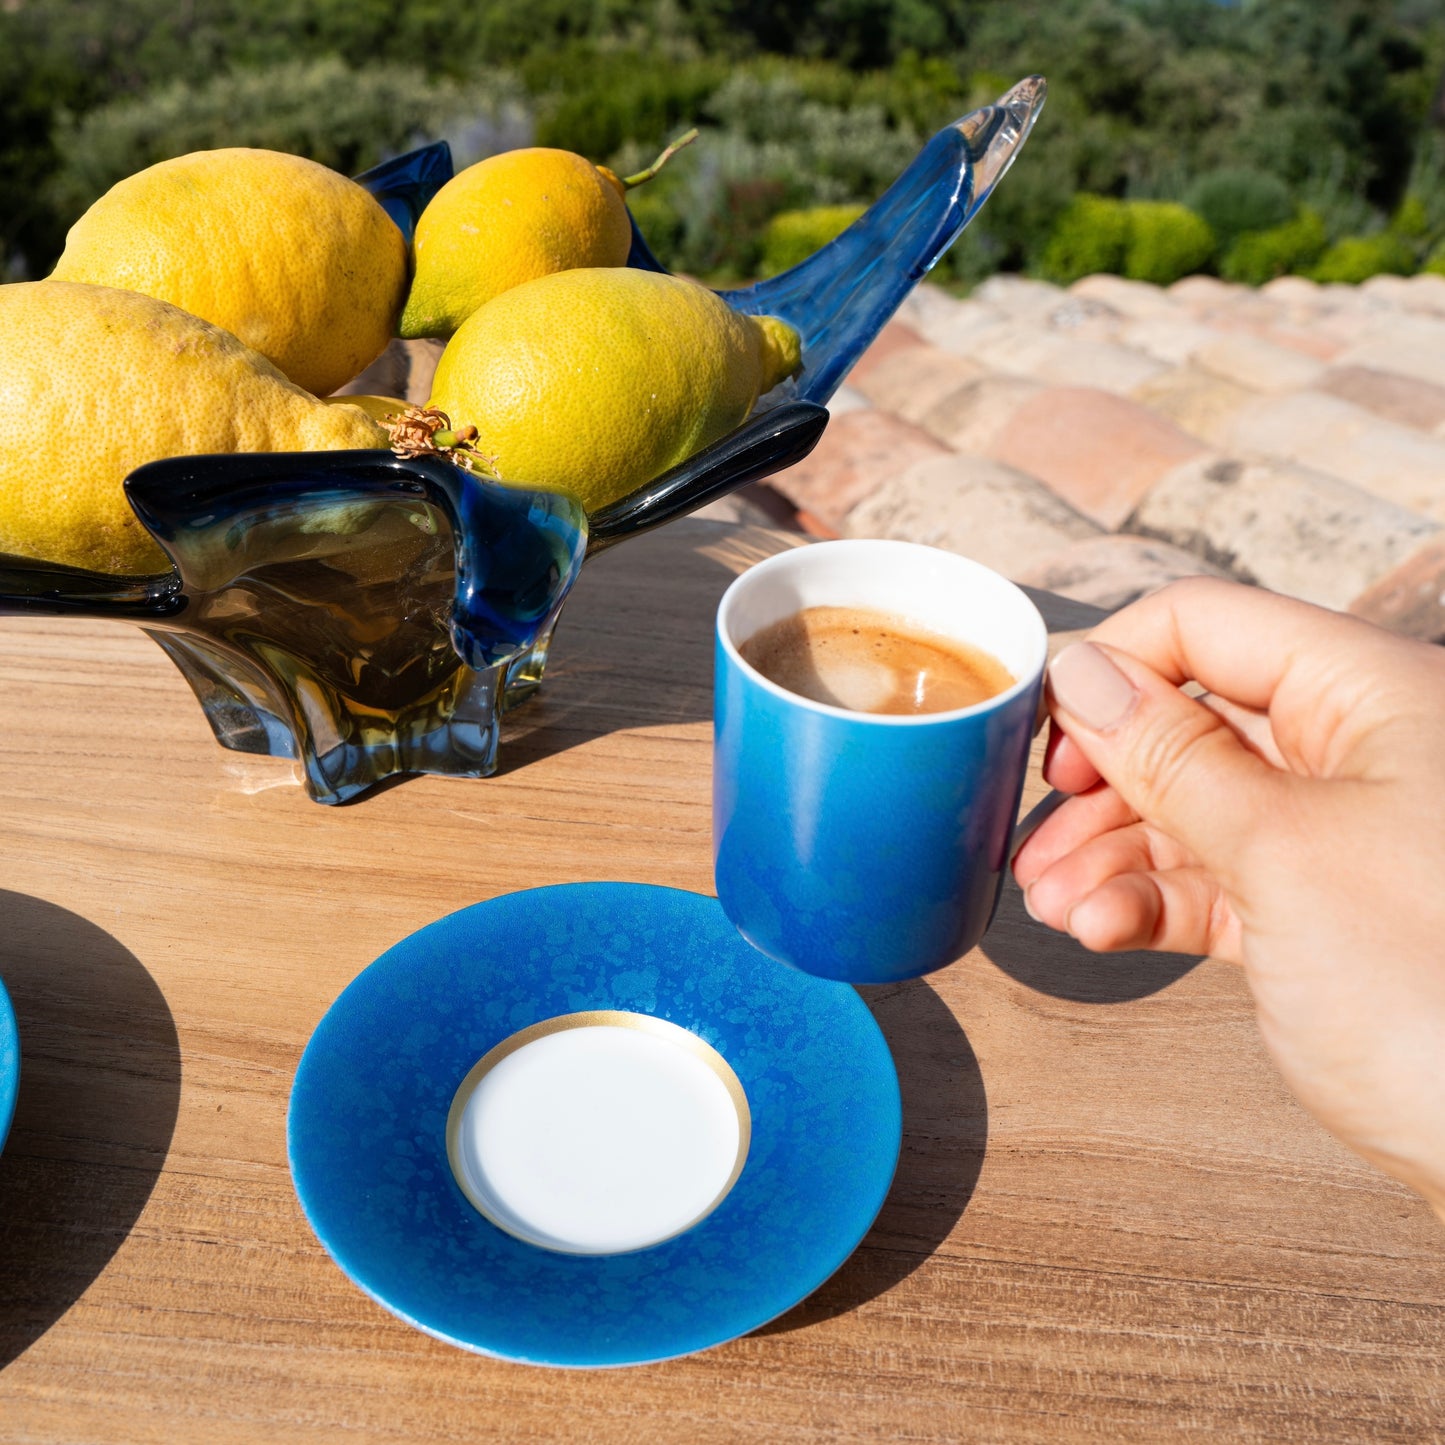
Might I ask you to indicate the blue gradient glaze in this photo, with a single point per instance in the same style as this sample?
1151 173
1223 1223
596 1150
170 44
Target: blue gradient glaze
904 893
857 847
367 1125
9 1064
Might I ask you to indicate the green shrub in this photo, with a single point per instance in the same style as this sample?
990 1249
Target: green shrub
595 103
1435 261
1166 241
1260 256
1411 221
1092 235
1236 199
1357 258
346 119
657 218
793 236
1421 216
1157 241
724 242
765 147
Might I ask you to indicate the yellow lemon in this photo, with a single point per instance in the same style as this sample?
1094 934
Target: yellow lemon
95 381
300 263
594 381
506 220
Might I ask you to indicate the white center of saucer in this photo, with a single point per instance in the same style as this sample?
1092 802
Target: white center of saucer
598 1133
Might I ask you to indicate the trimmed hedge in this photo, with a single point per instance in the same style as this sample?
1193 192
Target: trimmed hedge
1260 256
1166 241
1157 241
1162 241
1092 235
1357 258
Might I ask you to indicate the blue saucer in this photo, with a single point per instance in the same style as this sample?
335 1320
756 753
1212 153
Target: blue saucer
367 1127
9 1063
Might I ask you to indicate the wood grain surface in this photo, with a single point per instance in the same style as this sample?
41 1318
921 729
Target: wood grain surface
1110 1221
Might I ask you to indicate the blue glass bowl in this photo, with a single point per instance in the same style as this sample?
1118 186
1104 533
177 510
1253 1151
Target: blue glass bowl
368 615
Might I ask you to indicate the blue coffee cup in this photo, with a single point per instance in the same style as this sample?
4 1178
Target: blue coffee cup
860 846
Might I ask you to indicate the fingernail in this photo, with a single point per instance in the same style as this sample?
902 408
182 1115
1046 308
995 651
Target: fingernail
1085 683
1029 908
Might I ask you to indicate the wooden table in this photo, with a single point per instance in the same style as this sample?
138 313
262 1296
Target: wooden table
1110 1220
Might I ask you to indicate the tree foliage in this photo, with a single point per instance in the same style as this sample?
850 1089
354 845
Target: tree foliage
346 119
1329 105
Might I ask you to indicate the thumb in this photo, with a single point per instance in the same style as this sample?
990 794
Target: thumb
1175 762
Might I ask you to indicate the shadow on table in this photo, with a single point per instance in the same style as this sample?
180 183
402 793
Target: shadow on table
1063 614
1053 963
945 1133
634 647
100 1084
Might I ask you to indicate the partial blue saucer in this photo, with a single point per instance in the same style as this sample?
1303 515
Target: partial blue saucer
9 1063
368 1119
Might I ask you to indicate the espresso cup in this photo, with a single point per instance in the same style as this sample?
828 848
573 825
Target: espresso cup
860 846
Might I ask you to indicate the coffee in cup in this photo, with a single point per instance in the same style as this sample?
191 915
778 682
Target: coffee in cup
873 662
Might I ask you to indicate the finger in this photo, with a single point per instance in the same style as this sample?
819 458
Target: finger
1239 642
1074 875
1053 894
1080 820
1068 770
1249 725
1180 911
1326 680
1036 817
1065 767
1176 763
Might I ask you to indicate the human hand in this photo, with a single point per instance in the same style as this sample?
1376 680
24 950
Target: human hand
1291 820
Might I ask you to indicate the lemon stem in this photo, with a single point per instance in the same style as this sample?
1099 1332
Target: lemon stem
683 140
428 431
443 439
